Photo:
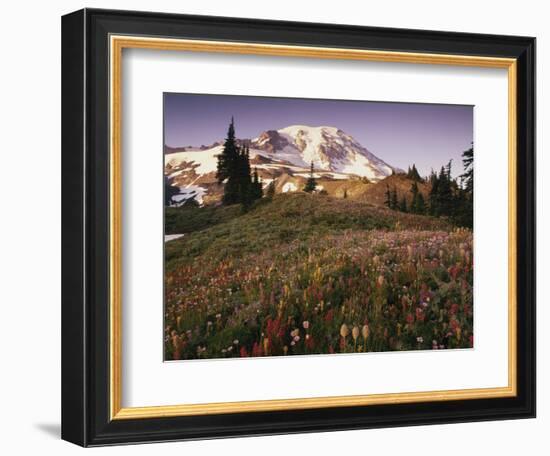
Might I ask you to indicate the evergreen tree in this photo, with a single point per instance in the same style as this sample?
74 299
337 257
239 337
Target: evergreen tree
311 183
464 215
394 202
245 191
227 172
420 204
414 200
234 172
434 195
256 187
387 202
468 176
446 194
413 174
345 193
403 205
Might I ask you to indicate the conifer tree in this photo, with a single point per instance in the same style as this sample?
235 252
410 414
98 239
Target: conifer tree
233 171
245 191
228 167
345 193
256 187
311 183
413 174
420 204
468 176
403 205
387 202
394 201
414 200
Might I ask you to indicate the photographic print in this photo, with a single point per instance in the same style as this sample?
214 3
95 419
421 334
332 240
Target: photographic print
311 226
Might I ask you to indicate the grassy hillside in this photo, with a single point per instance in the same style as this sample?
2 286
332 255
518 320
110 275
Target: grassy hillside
225 231
306 274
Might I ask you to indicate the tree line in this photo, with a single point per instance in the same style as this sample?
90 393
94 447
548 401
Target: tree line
447 197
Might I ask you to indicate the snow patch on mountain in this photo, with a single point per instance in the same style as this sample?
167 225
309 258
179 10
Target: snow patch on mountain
289 187
206 161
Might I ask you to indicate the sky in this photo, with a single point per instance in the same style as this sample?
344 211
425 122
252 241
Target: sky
428 135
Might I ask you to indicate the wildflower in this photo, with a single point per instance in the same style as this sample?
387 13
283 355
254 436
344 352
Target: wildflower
344 331
365 331
355 332
236 341
305 324
420 339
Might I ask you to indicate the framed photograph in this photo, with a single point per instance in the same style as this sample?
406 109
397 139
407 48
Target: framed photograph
279 227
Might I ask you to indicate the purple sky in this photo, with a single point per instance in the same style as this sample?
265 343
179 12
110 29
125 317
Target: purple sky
399 133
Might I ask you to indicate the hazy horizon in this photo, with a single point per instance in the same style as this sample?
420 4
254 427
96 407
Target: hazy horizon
428 135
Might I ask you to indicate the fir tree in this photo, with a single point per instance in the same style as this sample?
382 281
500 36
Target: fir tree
413 174
403 205
245 191
414 200
394 201
256 187
234 172
311 183
227 172
468 176
387 202
420 204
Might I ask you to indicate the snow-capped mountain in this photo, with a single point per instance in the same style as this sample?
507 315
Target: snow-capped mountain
283 155
329 149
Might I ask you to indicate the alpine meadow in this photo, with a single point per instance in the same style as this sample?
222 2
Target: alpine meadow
309 226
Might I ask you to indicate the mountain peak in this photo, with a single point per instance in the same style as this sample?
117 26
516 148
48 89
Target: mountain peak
327 147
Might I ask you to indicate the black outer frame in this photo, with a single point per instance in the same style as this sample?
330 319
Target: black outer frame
85 227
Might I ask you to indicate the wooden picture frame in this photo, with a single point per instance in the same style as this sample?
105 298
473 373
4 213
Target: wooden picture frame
92 45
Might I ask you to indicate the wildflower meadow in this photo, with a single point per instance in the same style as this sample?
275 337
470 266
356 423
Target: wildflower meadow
307 274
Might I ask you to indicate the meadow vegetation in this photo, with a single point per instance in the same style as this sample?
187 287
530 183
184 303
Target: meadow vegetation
302 273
